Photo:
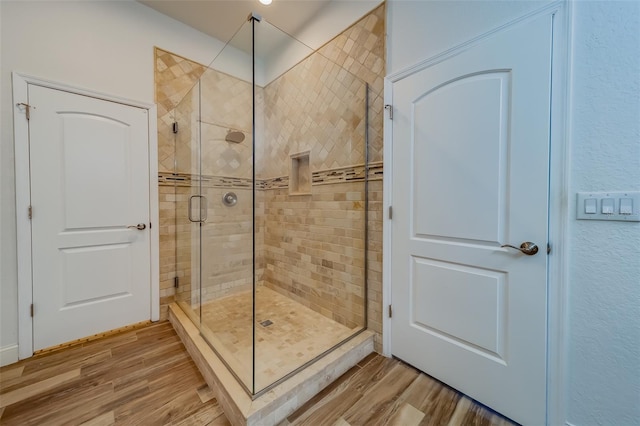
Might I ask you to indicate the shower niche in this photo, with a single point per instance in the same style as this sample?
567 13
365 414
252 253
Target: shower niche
300 175
273 281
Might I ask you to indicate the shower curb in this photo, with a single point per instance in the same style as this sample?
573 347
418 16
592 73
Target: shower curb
275 405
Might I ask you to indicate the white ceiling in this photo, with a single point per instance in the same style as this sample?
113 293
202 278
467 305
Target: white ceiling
222 18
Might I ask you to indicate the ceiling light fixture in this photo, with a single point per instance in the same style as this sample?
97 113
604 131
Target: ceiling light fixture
265 2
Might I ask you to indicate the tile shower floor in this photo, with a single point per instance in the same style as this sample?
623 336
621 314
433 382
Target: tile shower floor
295 335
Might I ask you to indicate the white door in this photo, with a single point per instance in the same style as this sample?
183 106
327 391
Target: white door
470 173
89 162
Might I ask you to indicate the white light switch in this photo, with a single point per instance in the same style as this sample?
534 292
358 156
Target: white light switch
622 206
607 206
626 205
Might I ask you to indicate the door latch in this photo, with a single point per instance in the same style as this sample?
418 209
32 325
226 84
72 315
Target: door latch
27 109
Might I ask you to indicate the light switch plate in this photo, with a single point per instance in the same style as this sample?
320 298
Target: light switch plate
618 203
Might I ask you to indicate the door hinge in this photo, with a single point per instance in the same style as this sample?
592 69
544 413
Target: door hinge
548 248
389 108
27 109
390 212
390 312
30 212
176 282
175 127
31 310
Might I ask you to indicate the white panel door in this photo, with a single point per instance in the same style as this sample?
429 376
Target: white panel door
470 173
89 163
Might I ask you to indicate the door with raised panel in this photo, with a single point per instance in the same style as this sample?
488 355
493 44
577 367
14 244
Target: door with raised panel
89 161
470 174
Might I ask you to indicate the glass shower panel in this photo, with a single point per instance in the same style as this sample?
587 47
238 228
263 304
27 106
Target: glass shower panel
271 195
226 183
311 147
188 202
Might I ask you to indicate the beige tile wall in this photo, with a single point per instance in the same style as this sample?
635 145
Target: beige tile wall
314 249
226 105
319 104
328 124
174 78
360 49
316 106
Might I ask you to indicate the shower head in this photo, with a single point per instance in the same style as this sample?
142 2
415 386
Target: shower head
234 136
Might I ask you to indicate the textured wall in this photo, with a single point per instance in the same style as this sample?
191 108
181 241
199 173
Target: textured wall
604 263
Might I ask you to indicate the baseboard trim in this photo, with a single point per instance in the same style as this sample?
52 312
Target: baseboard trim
92 338
8 355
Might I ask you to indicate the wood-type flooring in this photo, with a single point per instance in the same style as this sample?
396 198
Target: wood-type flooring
145 377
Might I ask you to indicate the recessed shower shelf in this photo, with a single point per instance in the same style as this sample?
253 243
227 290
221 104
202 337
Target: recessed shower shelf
300 175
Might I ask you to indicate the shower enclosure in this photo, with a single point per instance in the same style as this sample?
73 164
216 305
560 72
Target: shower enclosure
271 205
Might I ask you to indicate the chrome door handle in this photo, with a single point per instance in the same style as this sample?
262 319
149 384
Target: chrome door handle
527 248
203 214
139 226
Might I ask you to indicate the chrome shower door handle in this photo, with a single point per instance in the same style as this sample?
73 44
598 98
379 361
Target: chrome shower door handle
202 217
139 227
527 248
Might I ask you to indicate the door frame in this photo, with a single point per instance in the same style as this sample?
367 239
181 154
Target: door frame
558 215
20 84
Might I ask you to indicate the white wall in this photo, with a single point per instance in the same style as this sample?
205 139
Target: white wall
604 263
603 335
419 29
103 46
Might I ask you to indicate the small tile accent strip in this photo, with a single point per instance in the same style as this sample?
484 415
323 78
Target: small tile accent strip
281 182
188 179
322 177
347 174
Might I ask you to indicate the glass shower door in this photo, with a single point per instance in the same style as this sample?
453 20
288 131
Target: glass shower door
189 207
226 194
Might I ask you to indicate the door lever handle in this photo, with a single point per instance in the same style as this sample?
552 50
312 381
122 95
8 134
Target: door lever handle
139 226
527 248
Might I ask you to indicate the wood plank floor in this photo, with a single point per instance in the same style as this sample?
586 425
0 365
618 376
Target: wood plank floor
384 391
141 377
145 377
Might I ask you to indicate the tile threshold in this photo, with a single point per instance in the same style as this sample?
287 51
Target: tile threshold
276 404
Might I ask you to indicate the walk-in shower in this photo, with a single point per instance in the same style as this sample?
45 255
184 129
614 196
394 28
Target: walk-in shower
271 205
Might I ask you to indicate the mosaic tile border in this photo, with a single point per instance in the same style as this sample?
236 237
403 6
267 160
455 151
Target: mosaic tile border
188 179
347 174
323 177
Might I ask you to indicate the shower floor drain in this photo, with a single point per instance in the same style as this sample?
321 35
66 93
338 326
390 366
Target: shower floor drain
266 323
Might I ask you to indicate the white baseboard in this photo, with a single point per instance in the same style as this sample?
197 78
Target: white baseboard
8 355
